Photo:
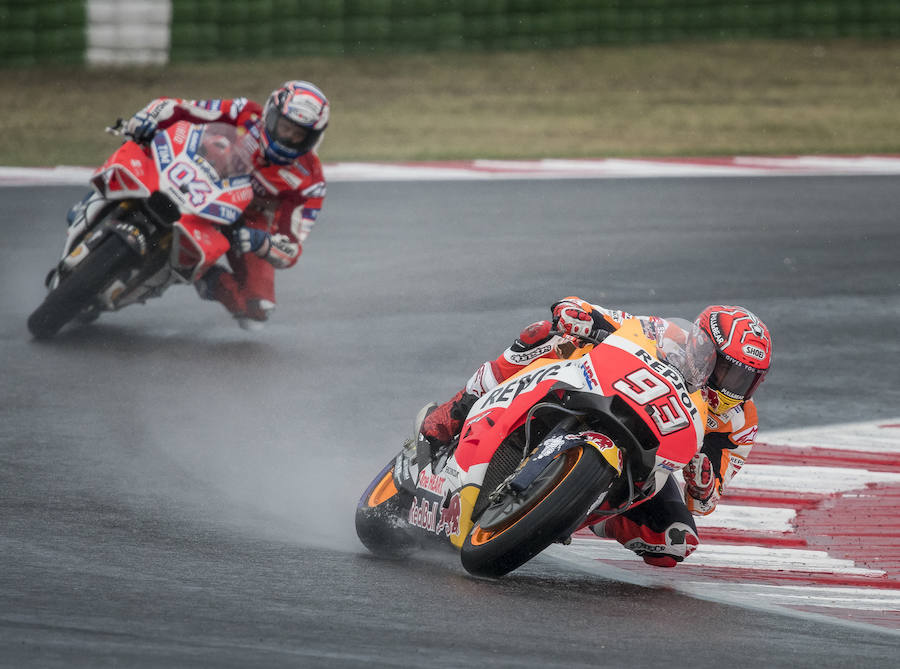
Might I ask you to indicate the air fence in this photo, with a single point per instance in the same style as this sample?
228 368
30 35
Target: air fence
103 32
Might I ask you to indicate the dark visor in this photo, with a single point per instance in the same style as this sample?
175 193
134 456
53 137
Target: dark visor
734 379
272 117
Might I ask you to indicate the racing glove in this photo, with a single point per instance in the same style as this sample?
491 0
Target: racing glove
142 127
249 240
701 485
577 319
278 250
281 251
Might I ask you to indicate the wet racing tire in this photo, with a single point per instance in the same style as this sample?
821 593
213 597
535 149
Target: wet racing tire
78 291
517 527
382 517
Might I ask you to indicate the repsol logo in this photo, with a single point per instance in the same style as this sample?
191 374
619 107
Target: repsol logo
508 392
668 372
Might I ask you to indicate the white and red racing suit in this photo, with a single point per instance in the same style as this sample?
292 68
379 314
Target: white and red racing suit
287 203
661 529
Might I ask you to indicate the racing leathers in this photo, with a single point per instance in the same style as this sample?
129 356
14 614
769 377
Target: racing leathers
287 202
662 529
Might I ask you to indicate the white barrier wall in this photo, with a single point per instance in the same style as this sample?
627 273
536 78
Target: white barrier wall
128 32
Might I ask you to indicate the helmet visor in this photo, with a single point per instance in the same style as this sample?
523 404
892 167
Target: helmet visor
288 134
734 379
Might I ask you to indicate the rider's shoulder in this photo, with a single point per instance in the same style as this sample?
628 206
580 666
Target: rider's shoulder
737 422
310 164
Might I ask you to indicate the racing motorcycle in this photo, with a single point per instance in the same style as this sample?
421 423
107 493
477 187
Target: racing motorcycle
559 446
165 218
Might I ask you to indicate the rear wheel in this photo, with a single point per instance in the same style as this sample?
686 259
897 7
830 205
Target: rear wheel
517 527
78 290
381 517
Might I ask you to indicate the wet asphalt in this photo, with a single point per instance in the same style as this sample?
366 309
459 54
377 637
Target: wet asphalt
177 492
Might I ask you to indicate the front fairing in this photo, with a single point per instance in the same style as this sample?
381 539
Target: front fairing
203 170
496 414
626 365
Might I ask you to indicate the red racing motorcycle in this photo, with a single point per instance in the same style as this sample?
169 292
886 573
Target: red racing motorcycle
560 445
167 209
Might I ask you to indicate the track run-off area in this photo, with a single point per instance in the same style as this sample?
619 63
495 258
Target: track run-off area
810 525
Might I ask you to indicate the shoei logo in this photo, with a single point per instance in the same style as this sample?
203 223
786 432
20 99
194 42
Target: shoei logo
755 352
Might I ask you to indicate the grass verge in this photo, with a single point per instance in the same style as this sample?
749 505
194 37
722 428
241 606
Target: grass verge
760 97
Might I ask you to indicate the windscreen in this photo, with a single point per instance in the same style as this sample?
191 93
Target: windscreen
221 149
687 347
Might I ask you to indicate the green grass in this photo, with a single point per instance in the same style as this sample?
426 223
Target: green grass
773 97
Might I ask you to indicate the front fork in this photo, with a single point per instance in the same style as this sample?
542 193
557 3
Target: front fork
89 225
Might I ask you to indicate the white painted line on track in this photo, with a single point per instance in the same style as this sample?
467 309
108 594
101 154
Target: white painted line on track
837 597
720 593
881 436
608 168
734 557
787 478
748 518
761 553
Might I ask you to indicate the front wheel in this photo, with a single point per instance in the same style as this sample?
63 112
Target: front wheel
78 290
517 527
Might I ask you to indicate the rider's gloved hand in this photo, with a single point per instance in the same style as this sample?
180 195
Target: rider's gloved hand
281 252
577 319
249 240
277 250
701 485
141 127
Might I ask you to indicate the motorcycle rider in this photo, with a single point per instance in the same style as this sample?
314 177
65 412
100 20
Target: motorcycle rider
662 529
281 139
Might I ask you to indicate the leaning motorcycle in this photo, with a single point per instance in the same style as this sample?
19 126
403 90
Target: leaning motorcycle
562 444
166 213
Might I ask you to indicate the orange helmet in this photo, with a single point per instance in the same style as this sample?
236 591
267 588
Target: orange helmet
743 355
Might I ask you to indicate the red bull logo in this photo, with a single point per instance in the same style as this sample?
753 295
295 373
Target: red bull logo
448 522
430 516
607 448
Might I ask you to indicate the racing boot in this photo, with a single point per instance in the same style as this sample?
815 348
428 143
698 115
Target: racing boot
443 422
208 285
256 315
219 285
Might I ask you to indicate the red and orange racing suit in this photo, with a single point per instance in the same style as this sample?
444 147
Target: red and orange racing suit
662 529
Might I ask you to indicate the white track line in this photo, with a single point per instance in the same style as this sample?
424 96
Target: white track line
612 168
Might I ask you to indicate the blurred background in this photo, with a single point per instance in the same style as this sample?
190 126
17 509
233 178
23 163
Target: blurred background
460 79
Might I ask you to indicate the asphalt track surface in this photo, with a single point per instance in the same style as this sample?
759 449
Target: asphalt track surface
176 492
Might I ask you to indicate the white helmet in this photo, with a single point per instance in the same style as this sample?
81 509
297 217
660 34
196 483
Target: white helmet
294 120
